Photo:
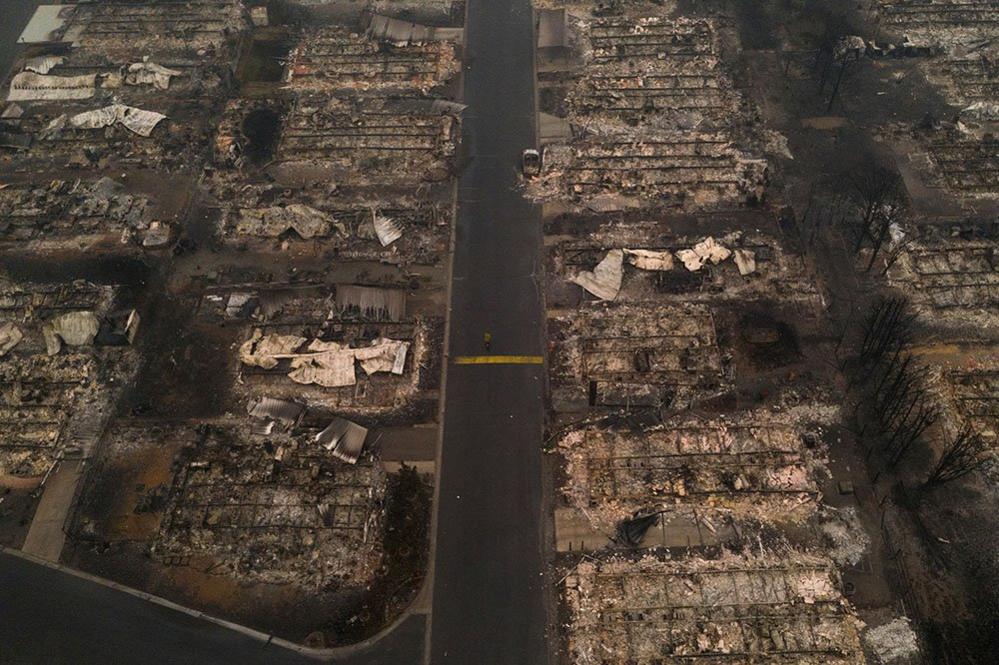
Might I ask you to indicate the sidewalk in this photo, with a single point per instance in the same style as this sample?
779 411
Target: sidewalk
46 537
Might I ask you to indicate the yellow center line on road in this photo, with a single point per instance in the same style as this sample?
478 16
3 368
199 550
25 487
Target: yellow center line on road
499 360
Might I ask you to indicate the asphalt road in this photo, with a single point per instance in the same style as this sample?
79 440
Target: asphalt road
488 604
48 617
14 15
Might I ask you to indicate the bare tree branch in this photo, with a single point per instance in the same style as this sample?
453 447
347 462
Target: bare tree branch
962 455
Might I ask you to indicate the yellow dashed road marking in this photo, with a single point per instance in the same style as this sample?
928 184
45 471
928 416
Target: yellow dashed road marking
499 360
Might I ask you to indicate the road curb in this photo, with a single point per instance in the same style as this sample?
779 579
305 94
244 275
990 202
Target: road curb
327 654
428 580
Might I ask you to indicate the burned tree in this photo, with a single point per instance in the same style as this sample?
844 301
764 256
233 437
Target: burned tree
837 47
883 204
961 455
874 183
890 382
846 52
910 416
896 405
886 330
896 249
883 226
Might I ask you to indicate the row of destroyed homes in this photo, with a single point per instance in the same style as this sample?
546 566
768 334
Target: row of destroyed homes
693 412
225 227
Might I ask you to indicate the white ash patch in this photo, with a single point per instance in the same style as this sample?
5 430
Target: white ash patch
893 641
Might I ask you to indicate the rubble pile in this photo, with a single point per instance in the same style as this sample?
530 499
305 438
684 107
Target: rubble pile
367 141
328 364
276 509
626 84
286 174
844 534
969 394
965 161
129 76
357 110
172 142
950 272
200 26
40 395
436 9
685 434
957 37
941 22
133 95
654 117
58 361
946 265
766 606
62 209
970 78
756 468
657 263
352 348
620 356
333 58
421 227
893 641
